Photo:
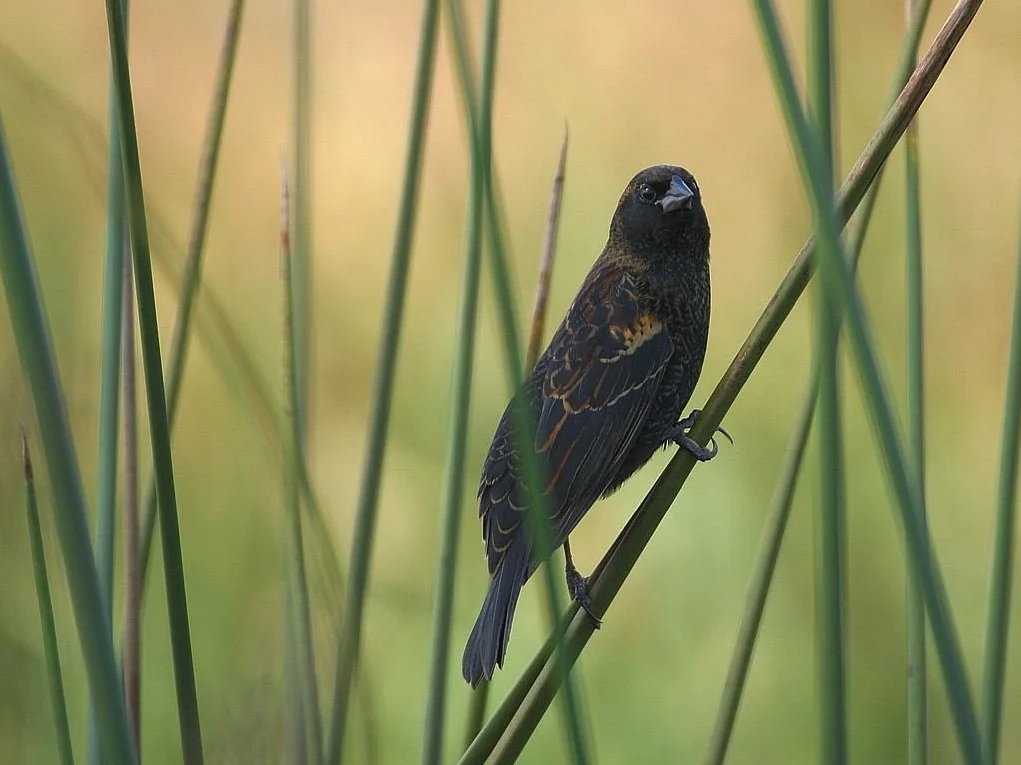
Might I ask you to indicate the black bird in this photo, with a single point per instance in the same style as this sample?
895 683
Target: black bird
604 396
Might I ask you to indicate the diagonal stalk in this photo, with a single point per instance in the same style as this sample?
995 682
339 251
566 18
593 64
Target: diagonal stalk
170 532
995 674
49 627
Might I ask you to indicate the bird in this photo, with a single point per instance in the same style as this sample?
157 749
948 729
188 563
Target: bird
603 397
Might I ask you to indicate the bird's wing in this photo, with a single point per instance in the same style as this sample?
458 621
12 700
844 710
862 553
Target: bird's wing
589 396
501 493
603 372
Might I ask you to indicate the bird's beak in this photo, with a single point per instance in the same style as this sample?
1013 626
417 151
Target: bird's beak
679 195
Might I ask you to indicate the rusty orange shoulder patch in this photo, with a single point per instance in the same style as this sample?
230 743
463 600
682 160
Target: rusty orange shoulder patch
645 327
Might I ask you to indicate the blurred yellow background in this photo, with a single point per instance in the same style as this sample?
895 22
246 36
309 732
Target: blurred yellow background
638 84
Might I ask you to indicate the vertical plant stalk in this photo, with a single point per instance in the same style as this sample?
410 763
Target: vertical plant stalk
841 287
109 386
131 647
764 567
997 629
298 582
549 248
296 727
917 732
301 231
35 348
453 484
192 276
464 71
365 518
116 247
159 428
830 577
533 688
49 627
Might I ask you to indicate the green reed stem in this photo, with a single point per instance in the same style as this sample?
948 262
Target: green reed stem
365 519
109 384
131 642
301 228
995 674
159 428
453 486
830 578
35 348
917 732
49 626
297 579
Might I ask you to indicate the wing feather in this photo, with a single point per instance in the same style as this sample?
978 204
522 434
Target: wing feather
590 394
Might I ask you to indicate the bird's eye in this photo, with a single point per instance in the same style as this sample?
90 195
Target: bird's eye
646 193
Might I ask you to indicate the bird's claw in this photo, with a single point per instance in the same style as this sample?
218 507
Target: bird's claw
679 435
577 586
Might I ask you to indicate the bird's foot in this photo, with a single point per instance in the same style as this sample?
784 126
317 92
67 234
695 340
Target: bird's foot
577 585
678 434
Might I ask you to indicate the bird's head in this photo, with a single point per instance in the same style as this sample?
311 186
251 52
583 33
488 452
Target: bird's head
660 220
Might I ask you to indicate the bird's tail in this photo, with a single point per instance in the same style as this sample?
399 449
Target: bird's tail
487 644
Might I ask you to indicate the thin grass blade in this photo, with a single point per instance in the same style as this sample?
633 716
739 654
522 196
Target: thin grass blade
301 229
830 577
132 639
297 579
465 72
365 518
917 731
1003 561
49 627
159 428
109 382
35 348
549 249
109 392
453 484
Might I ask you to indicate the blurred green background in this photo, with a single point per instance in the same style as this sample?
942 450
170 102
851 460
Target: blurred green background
647 83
